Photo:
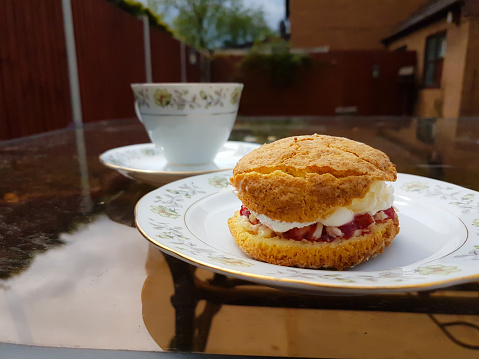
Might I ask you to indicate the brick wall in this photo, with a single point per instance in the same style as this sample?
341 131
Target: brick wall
445 101
347 24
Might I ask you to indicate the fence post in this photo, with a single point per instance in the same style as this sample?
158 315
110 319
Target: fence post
147 45
183 61
75 95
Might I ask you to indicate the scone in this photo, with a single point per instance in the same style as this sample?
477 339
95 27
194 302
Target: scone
314 202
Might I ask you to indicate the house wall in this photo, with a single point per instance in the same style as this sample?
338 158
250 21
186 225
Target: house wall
347 24
445 101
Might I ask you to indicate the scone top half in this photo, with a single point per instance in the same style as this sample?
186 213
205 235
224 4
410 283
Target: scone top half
303 178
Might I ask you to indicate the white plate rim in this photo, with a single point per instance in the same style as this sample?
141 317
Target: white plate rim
440 272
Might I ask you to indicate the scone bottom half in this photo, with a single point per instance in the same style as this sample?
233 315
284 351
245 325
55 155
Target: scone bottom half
300 179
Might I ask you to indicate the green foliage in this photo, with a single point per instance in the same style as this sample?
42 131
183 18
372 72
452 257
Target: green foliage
275 61
196 21
239 25
210 24
137 9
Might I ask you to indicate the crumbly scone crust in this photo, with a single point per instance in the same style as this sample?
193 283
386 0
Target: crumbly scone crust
301 179
338 254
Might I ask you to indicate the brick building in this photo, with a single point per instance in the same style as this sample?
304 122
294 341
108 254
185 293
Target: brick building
445 36
346 24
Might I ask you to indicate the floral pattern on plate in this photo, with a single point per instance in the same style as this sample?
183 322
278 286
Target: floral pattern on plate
161 216
466 201
170 205
125 158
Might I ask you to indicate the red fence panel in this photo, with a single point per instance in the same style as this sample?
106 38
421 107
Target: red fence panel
365 80
34 83
110 56
34 89
165 57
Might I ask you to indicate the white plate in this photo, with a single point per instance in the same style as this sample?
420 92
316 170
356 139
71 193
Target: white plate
438 244
142 163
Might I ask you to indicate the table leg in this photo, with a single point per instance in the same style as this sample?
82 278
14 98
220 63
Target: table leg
184 301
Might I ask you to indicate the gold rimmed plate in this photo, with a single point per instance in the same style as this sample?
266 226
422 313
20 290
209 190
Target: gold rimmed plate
438 244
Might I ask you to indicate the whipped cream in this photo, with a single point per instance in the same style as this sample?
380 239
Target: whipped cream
379 197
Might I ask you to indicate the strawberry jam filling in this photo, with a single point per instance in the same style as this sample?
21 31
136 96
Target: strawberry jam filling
319 233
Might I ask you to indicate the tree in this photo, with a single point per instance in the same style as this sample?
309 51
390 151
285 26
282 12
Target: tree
210 24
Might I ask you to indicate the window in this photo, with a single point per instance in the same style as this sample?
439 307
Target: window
433 59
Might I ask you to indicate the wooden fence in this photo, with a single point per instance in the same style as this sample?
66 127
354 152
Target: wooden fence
356 82
34 92
34 83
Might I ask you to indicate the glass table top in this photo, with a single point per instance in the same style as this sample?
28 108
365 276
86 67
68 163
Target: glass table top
76 273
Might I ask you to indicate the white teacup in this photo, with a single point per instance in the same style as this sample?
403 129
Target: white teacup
188 122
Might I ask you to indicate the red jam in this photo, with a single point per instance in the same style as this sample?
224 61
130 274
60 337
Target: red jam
359 225
245 211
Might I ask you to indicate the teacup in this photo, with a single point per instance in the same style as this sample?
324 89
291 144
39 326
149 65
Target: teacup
188 122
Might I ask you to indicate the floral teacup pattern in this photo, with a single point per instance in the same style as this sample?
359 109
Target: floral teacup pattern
182 97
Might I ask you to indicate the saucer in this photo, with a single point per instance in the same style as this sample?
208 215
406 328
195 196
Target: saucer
141 162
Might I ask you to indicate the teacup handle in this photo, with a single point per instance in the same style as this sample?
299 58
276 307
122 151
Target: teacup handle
137 111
